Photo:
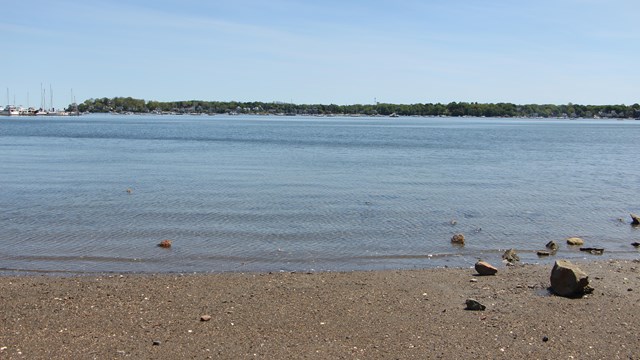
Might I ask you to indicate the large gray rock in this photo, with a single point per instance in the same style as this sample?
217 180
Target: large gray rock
568 280
484 268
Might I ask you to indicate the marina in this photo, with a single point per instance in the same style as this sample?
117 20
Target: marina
11 110
19 110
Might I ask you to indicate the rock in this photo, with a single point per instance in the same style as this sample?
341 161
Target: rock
545 339
458 239
484 268
593 251
511 256
636 244
453 222
575 241
551 245
165 244
543 253
156 342
474 305
635 219
568 280
205 317
129 191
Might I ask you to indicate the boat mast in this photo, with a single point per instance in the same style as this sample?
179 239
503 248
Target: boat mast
51 95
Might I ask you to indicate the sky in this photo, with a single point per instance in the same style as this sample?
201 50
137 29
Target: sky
329 51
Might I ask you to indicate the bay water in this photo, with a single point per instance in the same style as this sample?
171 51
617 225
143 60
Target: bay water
267 193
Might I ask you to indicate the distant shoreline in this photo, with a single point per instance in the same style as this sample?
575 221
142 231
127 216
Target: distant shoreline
122 105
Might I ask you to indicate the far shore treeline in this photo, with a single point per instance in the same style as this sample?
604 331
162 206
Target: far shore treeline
455 109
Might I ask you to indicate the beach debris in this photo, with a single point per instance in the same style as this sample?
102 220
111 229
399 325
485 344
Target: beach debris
511 256
635 219
568 280
474 305
551 245
165 244
484 268
636 244
543 253
156 342
575 241
129 191
205 317
592 250
457 239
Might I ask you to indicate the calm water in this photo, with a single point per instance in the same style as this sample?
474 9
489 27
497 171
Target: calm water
286 193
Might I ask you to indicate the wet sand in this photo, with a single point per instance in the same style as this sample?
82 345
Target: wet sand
357 315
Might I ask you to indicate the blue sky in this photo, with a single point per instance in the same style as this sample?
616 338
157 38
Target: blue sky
342 52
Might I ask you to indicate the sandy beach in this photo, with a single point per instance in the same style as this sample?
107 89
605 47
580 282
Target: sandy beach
357 315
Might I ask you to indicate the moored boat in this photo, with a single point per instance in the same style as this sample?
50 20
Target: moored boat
10 110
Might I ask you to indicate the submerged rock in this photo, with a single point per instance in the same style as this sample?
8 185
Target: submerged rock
473 304
165 244
511 256
551 245
568 280
635 219
592 250
457 239
484 268
575 241
636 244
543 253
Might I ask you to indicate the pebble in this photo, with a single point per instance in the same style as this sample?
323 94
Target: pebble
205 317
156 342
545 339
474 305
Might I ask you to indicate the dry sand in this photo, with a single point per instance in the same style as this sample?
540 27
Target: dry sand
360 315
